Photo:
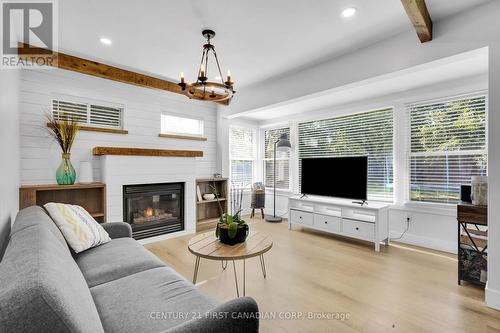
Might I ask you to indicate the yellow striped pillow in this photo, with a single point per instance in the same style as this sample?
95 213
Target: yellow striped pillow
78 227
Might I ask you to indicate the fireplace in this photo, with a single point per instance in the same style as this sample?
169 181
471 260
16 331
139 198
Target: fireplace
154 209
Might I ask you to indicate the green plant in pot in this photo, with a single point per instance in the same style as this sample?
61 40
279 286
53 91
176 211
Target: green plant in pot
231 229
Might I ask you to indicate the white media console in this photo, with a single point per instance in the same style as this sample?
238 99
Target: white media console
342 217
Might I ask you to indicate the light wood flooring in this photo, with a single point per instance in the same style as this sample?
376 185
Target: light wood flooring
400 289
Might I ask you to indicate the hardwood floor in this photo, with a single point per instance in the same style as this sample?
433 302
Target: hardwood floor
400 289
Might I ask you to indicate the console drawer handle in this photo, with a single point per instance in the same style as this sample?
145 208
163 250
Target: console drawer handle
357 228
326 222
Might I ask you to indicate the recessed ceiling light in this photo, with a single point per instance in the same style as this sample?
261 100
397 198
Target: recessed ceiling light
105 41
349 12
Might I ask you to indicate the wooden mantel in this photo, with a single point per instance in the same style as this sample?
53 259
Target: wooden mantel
99 151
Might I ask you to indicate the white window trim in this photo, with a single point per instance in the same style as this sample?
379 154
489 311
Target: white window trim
166 113
262 160
425 205
254 151
89 102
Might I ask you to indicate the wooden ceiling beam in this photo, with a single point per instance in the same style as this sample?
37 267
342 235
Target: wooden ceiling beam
94 68
419 16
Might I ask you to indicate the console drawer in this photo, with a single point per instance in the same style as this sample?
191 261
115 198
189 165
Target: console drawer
331 223
299 217
358 228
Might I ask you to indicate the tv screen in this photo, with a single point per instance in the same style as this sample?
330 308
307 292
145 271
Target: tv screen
342 177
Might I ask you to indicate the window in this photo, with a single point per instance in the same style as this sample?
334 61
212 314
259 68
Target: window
368 133
282 160
180 125
92 114
447 147
241 143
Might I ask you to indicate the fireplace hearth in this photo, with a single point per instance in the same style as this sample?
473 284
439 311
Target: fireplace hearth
154 209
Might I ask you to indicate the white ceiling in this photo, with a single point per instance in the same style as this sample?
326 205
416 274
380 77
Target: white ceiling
256 39
446 70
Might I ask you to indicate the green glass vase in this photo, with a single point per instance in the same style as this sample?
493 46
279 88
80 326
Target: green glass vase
65 174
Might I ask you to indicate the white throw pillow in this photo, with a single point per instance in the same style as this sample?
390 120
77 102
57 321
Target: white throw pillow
78 227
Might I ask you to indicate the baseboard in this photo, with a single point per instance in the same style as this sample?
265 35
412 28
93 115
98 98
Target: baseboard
166 236
434 244
492 297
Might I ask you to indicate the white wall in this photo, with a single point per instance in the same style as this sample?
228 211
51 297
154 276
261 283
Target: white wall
40 156
493 286
9 147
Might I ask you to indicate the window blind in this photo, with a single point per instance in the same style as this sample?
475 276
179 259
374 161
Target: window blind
241 142
282 160
447 146
88 113
362 134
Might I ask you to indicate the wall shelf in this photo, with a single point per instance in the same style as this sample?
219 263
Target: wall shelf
92 197
182 137
208 211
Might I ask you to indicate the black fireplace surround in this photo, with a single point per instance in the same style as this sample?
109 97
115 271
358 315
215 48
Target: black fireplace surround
154 209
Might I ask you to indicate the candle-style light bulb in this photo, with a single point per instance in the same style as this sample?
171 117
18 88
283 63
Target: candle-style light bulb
202 70
228 75
182 77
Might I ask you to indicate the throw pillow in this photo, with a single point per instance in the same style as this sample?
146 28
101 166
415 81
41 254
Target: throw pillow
78 227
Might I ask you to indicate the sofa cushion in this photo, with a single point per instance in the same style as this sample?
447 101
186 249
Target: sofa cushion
143 301
36 215
78 227
118 258
41 287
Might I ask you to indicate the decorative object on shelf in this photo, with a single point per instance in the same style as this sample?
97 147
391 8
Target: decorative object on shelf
85 174
198 193
479 191
465 192
217 175
281 144
64 130
258 199
203 89
209 196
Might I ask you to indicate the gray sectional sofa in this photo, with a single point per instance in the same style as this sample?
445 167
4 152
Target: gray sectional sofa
116 287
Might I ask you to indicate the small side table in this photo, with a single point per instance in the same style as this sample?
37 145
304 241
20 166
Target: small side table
472 243
207 246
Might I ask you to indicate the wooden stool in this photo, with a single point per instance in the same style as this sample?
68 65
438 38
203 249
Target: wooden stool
253 212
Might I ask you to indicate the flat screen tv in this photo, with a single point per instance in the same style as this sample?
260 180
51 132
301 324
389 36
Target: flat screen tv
341 177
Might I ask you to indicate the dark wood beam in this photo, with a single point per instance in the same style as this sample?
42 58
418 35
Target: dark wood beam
420 18
94 68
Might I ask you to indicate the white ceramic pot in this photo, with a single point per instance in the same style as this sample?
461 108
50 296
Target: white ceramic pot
209 196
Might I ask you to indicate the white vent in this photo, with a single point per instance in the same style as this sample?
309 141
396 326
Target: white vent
91 114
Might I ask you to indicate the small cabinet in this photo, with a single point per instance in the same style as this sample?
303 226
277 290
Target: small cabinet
300 217
359 229
331 223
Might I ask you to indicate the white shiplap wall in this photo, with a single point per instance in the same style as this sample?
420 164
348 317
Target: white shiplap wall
40 155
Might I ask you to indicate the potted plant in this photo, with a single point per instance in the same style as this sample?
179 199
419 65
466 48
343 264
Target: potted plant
64 131
231 228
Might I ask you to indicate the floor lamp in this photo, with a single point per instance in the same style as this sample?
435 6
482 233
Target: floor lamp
282 144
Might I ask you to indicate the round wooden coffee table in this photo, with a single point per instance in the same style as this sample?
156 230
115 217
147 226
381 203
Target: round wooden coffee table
207 246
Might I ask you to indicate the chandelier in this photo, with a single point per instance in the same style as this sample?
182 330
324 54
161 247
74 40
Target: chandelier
203 89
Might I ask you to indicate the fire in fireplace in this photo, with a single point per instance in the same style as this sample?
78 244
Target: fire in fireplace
154 209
